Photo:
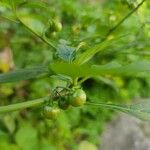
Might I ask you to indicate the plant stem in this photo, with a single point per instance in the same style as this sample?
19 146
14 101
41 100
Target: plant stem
83 80
23 105
122 20
42 38
75 81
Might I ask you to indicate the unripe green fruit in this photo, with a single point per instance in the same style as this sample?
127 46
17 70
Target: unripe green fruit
50 112
53 28
78 98
63 103
50 34
57 26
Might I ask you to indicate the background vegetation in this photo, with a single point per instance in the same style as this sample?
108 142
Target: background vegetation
85 23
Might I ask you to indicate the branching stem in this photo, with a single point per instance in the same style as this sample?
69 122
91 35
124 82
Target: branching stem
123 19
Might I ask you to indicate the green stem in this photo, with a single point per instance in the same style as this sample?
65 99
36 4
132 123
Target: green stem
123 19
42 38
83 80
75 81
23 105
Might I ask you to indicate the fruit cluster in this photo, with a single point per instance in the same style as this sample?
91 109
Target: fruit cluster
75 98
53 27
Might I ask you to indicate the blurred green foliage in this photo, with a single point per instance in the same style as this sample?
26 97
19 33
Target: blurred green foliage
83 21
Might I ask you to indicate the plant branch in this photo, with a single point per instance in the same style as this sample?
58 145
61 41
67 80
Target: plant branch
23 105
122 20
42 38
75 81
83 80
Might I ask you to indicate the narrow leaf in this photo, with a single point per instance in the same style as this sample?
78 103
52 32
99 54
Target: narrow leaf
136 67
114 68
140 110
24 74
34 4
88 54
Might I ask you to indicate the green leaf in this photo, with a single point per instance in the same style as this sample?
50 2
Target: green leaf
109 67
32 22
24 74
72 70
66 52
136 67
35 4
107 81
88 54
76 70
4 5
140 110
114 68
5 11
9 17
27 137
87 145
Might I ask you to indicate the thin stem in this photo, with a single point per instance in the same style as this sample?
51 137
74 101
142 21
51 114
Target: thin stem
23 105
83 80
122 20
75 81
42 38
8 18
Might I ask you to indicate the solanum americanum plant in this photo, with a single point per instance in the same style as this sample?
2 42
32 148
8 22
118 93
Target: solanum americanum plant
71 64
